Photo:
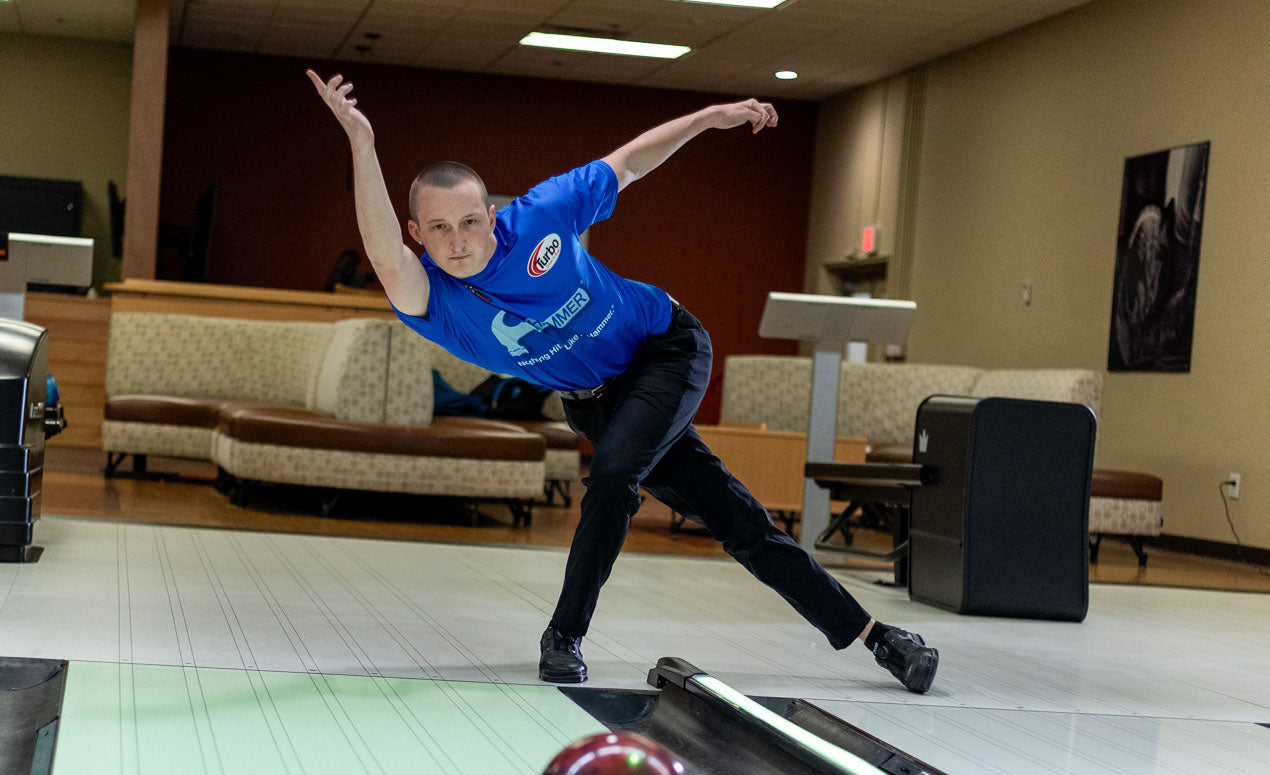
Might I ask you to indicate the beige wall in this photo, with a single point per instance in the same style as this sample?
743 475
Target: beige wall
860 139
1021 162
65 115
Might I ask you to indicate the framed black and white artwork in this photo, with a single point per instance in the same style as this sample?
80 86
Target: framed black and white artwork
1157 260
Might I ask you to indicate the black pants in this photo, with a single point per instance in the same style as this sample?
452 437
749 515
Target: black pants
641 427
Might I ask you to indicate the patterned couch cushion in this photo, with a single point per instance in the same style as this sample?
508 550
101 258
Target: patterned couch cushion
458 373
1078 386
410 400
353 379
879 401
772 389
206 357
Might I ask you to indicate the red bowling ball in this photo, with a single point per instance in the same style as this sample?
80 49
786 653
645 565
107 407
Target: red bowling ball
615 753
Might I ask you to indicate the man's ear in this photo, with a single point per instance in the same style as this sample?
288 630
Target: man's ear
491 218
415 234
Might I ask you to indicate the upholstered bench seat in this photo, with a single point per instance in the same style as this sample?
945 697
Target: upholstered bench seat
341 406
451 456
1125 503
1127 484
168 426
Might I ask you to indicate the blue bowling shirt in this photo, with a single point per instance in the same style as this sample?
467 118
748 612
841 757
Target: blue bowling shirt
545 309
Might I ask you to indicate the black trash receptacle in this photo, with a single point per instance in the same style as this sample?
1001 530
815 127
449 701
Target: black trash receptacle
25 421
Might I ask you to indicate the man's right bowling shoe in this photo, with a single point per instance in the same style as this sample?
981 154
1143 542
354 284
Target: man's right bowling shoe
908 658
561 660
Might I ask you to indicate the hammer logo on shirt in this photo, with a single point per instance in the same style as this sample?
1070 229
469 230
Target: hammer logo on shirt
509 335
544 255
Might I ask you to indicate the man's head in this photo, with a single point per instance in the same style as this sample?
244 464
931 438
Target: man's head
450 215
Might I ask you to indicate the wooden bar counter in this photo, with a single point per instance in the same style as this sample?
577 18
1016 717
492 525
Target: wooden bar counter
237 301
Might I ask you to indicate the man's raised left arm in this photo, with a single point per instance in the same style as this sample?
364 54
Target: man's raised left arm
646 152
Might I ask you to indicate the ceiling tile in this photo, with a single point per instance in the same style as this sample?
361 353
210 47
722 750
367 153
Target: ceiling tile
835 44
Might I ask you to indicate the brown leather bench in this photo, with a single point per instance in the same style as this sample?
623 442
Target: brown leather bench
261 423
290 441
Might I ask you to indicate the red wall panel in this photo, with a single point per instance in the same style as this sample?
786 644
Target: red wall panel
719 225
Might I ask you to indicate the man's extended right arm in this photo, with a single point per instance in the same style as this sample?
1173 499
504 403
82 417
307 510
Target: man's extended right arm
397 267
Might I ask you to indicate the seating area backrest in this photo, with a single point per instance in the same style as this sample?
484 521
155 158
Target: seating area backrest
1078 386
207 357
458 374
772 389
409 400
879 401
353 378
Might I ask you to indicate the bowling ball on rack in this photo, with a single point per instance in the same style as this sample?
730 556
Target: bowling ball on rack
615 753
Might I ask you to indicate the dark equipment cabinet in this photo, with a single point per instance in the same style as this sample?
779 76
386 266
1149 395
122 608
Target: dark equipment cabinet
26 419
1003 531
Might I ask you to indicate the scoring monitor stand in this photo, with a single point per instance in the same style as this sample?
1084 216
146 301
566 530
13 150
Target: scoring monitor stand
830 322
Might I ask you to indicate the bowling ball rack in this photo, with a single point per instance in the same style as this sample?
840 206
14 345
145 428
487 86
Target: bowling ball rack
715 730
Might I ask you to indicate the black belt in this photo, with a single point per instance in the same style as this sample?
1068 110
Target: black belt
583 395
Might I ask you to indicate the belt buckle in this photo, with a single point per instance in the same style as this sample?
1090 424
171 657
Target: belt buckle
585 394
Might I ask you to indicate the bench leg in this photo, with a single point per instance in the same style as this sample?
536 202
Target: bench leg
553 486
329 499
1136 543
239 491
522 512
113 460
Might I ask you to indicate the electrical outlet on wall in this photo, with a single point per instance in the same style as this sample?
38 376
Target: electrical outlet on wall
1233 479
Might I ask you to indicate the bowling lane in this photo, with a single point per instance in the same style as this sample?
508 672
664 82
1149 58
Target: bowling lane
244 613
158 719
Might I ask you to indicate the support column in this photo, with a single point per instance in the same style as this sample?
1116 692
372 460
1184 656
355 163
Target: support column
821 436
145 139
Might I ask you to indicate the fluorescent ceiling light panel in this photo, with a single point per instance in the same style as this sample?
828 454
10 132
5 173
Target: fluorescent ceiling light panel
740 3
786 75
603 45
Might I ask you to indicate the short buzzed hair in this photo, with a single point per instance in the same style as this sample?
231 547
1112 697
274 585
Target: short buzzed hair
444 174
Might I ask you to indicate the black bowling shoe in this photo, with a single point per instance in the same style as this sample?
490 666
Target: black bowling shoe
908 658
561 658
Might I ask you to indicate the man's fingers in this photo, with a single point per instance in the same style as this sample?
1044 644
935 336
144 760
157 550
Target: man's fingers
759 119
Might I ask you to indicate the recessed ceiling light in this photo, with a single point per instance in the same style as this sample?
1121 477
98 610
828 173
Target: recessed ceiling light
741 3
786 75
603 45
